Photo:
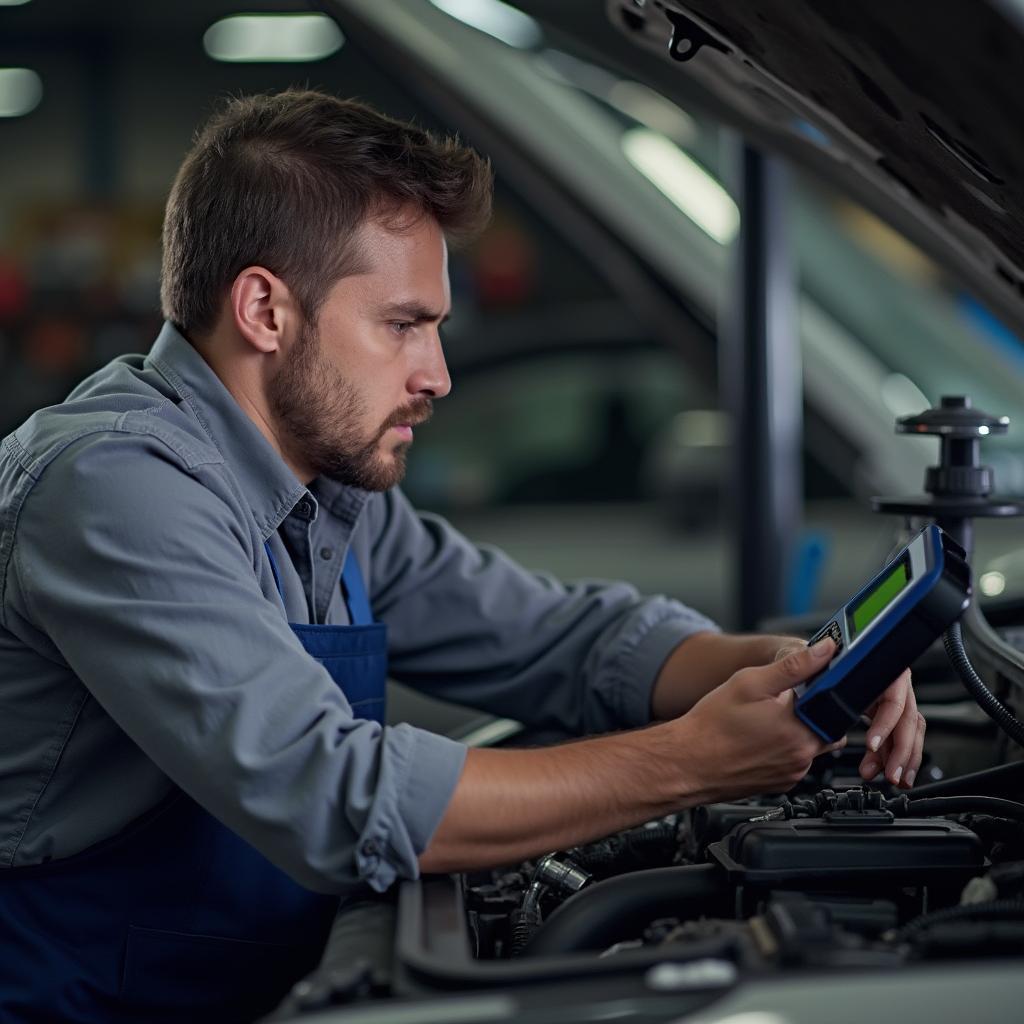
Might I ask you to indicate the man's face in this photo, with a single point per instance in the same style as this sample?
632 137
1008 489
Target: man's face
356 383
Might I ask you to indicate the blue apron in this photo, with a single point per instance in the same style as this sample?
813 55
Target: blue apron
176 918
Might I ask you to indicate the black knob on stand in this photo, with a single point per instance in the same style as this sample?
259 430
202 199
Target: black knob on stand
959 488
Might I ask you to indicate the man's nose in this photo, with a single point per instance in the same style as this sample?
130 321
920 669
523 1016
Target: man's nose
430 378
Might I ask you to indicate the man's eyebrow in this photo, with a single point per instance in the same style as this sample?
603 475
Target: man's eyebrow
412 311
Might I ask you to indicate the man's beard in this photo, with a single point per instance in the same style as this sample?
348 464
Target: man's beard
321 413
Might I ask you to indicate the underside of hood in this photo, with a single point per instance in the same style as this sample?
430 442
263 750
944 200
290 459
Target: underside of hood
914 106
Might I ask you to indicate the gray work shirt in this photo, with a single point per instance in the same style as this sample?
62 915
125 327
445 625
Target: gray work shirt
144 645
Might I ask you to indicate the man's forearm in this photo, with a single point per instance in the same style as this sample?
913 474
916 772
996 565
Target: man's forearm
510 805
741 738
513 804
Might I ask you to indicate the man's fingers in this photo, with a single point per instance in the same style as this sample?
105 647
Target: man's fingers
889 710
787 649
902 743
914 764
874 761
795 667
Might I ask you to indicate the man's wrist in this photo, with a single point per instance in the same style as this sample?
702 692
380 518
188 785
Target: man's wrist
683 778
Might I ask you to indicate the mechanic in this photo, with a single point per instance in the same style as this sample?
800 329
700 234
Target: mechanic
208 570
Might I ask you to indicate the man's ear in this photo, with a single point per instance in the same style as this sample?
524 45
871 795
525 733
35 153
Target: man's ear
262 308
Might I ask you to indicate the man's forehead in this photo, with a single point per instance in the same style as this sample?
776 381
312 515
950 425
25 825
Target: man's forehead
405 266
413 237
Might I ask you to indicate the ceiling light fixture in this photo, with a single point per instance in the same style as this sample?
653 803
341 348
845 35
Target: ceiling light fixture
271 38
496 19
21 89
683 181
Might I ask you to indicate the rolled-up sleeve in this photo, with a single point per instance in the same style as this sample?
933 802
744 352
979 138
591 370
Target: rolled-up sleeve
468 624
133 566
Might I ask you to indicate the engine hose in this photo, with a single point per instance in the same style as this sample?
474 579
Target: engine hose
526 922
597 856
657 835
939 805
620 908
996 910
627 850
1006 778
953 641
527 918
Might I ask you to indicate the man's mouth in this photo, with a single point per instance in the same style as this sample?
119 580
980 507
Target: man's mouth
404 430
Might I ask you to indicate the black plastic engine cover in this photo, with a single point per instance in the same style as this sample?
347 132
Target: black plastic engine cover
820 853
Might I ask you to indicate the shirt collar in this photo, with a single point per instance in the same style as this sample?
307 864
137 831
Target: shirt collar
269 486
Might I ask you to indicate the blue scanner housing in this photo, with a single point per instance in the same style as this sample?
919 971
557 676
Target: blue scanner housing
919 594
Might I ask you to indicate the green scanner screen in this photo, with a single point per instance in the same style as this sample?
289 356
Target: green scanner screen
871 606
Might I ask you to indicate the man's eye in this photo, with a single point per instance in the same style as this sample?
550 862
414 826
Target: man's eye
402 326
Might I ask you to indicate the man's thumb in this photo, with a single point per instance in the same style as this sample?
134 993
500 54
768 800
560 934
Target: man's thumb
796 666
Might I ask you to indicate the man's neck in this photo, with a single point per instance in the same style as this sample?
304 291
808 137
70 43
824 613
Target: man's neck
241 375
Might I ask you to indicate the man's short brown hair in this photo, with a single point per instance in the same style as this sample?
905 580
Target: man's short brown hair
285 180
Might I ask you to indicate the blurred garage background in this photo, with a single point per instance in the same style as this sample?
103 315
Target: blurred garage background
585 432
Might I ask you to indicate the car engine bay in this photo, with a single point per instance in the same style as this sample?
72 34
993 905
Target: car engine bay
821 876
833 879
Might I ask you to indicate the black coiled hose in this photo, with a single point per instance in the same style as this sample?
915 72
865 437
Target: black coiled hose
525 921
988 702
627 851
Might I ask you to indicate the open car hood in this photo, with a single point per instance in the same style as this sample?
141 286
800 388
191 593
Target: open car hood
911 107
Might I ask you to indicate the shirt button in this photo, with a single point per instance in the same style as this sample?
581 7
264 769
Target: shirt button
304 509
327 554
370 848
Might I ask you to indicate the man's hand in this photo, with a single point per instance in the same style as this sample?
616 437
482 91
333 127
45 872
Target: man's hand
743 737
699 664
895 736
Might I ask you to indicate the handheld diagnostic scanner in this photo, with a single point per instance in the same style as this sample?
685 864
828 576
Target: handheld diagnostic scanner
922 591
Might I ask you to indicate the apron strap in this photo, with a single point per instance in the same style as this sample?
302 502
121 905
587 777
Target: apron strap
274 570
353 588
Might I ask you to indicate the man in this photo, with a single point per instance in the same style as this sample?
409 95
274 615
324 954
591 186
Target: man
207 571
